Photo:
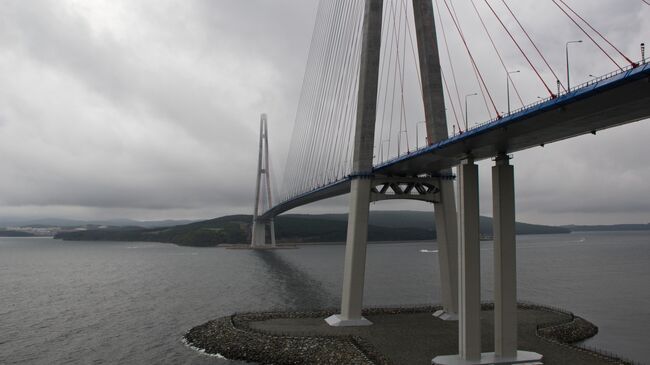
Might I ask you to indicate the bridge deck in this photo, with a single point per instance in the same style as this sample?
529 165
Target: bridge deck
621 99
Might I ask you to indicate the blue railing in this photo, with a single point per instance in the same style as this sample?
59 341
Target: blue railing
584 85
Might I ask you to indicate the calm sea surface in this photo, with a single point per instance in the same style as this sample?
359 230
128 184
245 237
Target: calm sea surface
130 303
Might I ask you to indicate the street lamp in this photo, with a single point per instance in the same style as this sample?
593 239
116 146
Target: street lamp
417 138
508 87
566 47
466 96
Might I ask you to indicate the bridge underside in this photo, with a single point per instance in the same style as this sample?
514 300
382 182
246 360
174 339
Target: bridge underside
609 103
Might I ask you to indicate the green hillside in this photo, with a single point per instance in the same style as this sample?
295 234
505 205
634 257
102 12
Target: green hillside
610 227
9 233
383 226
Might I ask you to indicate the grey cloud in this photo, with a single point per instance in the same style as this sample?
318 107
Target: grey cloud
150 109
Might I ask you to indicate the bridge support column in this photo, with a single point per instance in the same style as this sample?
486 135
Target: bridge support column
355 257
447 238
505 282
258 233
505 266
364 137
469 271
469 264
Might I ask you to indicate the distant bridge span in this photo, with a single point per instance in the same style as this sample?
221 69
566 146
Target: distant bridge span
618 99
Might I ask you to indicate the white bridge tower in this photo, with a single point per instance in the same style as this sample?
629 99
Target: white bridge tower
263 195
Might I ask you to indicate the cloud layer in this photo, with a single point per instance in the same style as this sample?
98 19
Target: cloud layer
150 109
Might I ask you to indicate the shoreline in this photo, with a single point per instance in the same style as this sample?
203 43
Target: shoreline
301 337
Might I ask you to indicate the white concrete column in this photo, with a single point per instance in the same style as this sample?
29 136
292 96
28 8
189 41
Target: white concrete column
447 238
355 257
272 225
505 294
258 233
364 137
469 264
505 258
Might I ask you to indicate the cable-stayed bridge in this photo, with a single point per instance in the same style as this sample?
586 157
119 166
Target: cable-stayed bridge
618 99
375 74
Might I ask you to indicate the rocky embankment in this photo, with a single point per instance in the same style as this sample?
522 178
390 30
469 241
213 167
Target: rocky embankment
234 338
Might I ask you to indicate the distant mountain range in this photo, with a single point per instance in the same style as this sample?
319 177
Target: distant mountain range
59 222
611 227
383 226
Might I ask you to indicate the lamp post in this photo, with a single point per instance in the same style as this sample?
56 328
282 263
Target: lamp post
417 138
508 87
466 96
566 47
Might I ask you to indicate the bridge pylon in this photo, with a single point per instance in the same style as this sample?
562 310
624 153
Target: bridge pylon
436 124
259 225
365 187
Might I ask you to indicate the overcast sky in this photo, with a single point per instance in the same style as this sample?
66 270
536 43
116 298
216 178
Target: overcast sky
150 109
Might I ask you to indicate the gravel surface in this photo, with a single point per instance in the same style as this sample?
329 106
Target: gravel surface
398 336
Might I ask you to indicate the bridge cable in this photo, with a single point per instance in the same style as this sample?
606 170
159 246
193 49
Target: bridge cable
335 93
303 176
394 44
521 50
505 68
403 76
451 64
533 43
343 153
453 108
315 168
289 181
343 119
472 59
400 68
590 37
397 66
310 107
415 57
476 74
386 22
632 63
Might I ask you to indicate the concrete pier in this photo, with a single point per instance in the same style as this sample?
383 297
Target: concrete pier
505 259
447 238
364 137
436 124
505 271
469 264
355 258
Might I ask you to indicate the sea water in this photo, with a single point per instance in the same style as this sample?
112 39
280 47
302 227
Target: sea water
124 302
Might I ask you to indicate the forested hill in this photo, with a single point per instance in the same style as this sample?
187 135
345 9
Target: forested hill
383 226
610 227
10 233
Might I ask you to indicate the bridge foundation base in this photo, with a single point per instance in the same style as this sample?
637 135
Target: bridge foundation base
337 320
490 358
